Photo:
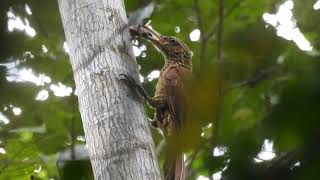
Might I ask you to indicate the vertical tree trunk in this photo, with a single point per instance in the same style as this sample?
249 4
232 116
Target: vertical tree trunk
118 137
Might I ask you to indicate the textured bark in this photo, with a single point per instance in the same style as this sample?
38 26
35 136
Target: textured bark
117 133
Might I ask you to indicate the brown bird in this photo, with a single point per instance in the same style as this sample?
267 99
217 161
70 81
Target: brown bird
169 99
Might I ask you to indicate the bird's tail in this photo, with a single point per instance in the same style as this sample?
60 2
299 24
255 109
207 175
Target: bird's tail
173 168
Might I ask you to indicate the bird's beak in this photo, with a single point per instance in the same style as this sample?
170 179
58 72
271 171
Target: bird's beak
148 33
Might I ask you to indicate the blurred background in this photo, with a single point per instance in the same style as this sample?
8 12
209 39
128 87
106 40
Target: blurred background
255 100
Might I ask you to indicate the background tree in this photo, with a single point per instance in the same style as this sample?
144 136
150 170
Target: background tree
268 119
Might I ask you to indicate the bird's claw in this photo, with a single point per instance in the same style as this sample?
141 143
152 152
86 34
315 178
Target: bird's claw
131 83
135 30
128 80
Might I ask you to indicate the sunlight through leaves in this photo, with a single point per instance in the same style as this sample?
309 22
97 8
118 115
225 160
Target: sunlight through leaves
286 25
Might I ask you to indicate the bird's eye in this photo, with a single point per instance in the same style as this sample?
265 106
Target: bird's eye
173 41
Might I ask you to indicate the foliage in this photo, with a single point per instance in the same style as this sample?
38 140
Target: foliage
270 91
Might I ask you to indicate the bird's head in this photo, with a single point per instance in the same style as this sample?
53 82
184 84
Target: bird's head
172 48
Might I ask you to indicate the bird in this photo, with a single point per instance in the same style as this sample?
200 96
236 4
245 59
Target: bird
170 97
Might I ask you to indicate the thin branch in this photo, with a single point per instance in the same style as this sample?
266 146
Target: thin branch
220 29
197 11
203 42
213 29
221 73
233 7
255 79
205 37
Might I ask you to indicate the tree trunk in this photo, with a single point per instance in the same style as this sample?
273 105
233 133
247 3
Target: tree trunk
118 137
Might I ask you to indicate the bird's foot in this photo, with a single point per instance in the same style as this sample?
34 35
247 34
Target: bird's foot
132 84
129 81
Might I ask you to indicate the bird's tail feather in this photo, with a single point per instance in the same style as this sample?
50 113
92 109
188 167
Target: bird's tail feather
174 168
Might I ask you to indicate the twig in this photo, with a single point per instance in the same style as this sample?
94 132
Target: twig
255 79
197 11
221 73
233 7
203 42
220 29
213 29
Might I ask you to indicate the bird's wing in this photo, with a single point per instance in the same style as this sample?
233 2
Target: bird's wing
174 81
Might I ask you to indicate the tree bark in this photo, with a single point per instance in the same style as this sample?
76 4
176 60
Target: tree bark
117 134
